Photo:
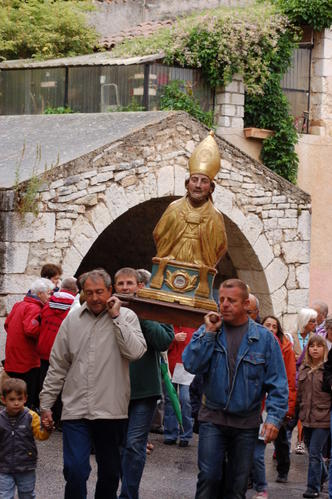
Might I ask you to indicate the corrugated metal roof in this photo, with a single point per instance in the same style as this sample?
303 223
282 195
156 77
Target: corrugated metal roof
97 59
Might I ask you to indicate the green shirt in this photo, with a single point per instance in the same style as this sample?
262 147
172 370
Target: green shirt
145 377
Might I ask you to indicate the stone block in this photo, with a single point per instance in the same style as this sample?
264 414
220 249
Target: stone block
254 227
102 177
2 338
72 197
279 301
223 121
291 281
237 123
290 235
239 111
289 322
224 98
297 299
179 180
287 223
263 251
304 225
11 299
165 181
296 251
116 200
119 176
228 110
83 235
255 280
64 223
62 236
15 257
16 283
89 200
279 199
57 183
131 180
71 261
40 228
74 179
135 195
97 188
237 99
99 217
276 274
270 223
303 275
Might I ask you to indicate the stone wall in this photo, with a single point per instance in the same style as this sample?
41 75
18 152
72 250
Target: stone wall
267 219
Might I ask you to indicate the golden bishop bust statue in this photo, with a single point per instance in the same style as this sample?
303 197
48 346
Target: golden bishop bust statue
190 237
192 230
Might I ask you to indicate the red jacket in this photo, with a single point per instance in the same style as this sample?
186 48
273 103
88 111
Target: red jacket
176 347
290 366
22 327
52 316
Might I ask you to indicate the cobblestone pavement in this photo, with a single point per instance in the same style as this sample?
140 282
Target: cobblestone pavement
170 473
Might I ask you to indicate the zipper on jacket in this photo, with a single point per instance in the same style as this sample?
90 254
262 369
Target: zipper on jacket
234 378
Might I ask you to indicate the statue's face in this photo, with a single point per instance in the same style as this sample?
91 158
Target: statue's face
199 187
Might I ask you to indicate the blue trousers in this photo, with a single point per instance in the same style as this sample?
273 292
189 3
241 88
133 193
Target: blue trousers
107 436
258 469
215 443
171 425
315 439
25 483
134 453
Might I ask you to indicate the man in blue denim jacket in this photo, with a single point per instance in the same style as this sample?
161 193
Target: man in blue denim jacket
241 362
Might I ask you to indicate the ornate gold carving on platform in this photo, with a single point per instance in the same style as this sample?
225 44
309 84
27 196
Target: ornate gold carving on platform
180 281
182 300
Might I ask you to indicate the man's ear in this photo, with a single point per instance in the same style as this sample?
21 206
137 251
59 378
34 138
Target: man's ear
246 304
2 398
25 399
212 187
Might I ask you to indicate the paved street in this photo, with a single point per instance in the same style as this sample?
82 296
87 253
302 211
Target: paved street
170 473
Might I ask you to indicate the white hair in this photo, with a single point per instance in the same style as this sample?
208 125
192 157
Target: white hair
304 316
41 285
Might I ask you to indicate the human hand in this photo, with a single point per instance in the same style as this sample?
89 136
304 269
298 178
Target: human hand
113 306
269 432
47 420
180 336
212 322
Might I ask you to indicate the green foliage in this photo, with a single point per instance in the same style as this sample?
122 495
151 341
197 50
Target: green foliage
133 106
58 110
176 99
43 29
315 13
270 111
27 193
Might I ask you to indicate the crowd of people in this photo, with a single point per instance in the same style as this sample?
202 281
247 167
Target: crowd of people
78 361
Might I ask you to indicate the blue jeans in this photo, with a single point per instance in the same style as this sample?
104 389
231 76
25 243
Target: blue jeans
258 469
315 439
25 483
171 425
107 436
215 443
134 453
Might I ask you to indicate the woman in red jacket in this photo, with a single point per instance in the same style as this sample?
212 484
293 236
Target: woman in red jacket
282 446
22 327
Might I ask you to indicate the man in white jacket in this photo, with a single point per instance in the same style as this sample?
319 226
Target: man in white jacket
90 363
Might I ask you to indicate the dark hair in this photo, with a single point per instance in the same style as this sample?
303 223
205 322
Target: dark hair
50 270
236 283
16 385
95 275
280 332
127 271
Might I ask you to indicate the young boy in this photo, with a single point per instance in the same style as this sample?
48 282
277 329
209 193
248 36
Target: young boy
18 452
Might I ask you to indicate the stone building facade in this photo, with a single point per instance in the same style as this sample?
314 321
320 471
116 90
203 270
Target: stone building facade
127 183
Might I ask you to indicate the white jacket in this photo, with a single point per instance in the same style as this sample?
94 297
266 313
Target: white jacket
90 362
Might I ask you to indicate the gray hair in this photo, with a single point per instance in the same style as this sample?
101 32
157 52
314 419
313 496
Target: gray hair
322 306
304 316
144 276
127 271
94 275
328 322
41 285
69 284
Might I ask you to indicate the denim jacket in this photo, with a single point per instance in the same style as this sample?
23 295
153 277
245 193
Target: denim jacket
259 369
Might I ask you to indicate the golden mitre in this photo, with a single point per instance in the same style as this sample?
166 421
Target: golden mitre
206 158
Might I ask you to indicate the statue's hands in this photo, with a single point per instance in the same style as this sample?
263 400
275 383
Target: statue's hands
212 322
